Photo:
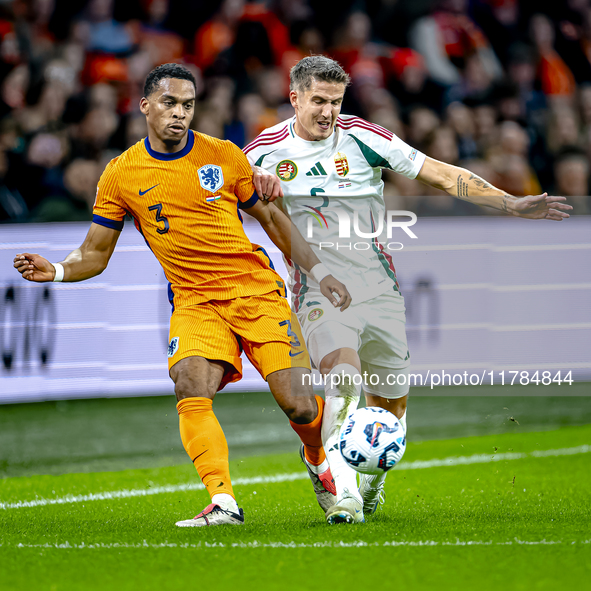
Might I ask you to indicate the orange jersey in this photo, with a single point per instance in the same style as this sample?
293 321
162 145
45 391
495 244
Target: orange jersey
186 205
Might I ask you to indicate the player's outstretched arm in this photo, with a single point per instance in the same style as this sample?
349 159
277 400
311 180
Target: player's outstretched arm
291 243
465 185
267 184
89 260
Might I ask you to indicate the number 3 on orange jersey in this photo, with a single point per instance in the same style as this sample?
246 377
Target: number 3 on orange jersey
160 218
290 333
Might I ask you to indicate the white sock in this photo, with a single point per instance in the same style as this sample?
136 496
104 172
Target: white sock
375 481
340 401
225 501
318 469
402 420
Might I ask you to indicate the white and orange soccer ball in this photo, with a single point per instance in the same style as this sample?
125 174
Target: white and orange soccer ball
372 440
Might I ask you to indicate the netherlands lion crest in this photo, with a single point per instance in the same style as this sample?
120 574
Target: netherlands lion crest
173 346
211 177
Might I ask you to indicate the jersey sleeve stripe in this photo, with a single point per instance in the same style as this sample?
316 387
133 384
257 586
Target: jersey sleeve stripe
271 133
113 224
357 121
374 126
353 118
249 202
388 137
260 141
267 142
267 135
366 124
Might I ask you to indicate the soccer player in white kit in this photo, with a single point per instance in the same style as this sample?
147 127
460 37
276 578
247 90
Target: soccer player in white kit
330 166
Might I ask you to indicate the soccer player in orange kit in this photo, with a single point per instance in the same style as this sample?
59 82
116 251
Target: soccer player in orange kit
184 191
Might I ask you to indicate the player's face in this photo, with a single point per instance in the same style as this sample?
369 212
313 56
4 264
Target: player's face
169 112
317 109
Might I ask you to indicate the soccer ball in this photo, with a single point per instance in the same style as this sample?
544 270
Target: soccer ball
372 440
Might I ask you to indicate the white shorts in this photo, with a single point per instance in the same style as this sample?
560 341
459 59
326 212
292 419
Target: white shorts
374 328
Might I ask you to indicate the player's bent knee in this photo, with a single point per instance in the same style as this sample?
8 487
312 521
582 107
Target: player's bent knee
196 377
190 386
302 417
301 412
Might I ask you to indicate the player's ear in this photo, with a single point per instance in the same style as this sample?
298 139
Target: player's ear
144 105
293 98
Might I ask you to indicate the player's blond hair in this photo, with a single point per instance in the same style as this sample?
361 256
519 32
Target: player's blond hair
318 67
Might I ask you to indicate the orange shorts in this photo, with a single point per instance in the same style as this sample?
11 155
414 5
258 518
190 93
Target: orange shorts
262 325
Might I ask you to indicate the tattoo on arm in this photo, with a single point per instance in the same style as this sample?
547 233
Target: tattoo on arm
504 205
480 182
461 187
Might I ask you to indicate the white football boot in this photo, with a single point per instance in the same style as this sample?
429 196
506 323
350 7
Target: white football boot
214 515
371 489
324 487
348 509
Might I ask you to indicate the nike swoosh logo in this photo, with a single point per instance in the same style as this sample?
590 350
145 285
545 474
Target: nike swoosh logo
144 192
295 354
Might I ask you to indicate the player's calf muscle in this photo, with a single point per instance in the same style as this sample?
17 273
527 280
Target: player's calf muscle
296 400
187 388
396 406
301 414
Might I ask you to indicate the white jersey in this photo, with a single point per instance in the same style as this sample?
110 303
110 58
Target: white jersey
333 192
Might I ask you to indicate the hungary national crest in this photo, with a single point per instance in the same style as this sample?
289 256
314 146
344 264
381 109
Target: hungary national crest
286 170
211 177
342 164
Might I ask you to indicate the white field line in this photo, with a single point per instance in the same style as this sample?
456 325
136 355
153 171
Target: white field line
173 488
327 544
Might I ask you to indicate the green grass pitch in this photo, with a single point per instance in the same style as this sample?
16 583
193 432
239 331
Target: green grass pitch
509 509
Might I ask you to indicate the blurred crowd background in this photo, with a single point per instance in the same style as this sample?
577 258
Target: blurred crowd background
502 87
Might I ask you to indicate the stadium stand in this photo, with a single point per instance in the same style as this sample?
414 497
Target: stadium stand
501 86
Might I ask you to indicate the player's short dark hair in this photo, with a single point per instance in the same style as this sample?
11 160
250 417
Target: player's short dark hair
318 67
167 71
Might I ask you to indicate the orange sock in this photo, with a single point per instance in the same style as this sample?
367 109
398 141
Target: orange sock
204 441
311 436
